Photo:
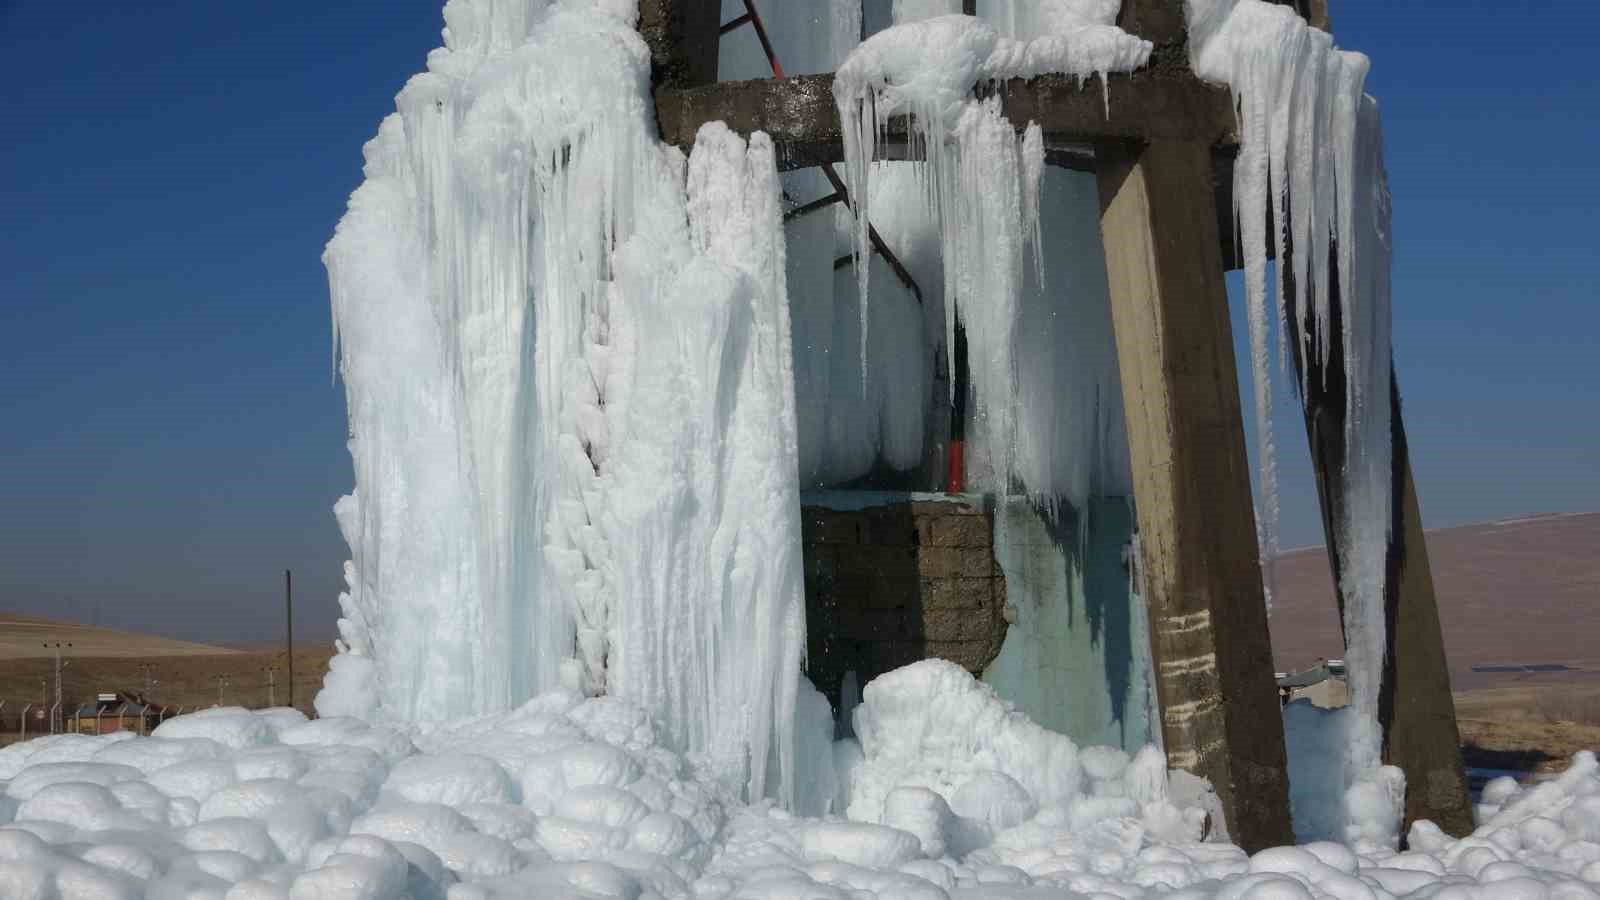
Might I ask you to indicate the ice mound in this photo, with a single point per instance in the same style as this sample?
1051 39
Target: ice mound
950 794
563 792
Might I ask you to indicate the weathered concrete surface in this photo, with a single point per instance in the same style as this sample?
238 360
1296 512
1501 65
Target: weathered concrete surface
682 36
1417 708
1157 21
1201 579
892 582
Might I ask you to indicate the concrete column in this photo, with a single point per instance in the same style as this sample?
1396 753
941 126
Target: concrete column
682 35
1201 575
1416 709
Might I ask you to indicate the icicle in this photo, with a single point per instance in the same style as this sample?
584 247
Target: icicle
1032 154
983 243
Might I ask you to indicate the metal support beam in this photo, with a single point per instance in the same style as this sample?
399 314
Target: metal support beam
1201 576
809 208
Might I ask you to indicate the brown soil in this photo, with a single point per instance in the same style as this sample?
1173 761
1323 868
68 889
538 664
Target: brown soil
1531 727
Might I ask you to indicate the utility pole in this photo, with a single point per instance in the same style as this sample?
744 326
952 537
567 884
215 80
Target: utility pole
288 627
148 670
272 685
222 683
57 646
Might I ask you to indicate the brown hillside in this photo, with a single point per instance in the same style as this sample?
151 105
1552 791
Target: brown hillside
1519 591
25 637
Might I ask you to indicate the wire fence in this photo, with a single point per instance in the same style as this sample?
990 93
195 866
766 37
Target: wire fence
26 721
102 695
23 721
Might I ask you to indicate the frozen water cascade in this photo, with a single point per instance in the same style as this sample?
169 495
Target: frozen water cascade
980 184
571 399
1311 157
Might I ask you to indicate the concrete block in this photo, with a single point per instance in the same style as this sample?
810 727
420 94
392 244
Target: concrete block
962 531
954 506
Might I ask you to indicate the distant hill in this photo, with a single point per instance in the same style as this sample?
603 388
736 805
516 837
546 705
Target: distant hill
24 637
167 672
1515 592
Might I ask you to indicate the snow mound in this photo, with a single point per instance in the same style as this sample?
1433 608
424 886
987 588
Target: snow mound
950 793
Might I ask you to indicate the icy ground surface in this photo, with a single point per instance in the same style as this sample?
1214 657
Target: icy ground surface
949 794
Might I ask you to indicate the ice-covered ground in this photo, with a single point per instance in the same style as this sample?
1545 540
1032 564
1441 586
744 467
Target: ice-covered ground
947 793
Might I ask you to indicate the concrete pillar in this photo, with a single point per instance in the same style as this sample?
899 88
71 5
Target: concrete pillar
1201 575
1415 706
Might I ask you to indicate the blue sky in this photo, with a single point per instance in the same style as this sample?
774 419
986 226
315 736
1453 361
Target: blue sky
173 438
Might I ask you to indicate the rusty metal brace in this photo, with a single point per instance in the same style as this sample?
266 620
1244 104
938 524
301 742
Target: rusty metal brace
840 195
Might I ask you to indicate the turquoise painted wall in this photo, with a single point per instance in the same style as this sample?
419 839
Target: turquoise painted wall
1076 659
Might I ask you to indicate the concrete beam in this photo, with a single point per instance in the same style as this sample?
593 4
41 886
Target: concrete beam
1200 572
800 115
1157 21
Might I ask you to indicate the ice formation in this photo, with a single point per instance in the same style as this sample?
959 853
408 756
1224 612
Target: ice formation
979 186
1311 159
950 794
570 386
577 423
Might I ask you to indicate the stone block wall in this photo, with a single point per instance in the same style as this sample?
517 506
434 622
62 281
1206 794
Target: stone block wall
893 579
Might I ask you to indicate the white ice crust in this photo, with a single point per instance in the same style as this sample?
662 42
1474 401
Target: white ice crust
948 794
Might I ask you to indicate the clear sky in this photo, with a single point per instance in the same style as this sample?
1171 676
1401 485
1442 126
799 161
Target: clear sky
169 171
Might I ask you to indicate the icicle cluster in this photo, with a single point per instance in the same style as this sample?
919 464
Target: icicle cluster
570 391
981 186
704 507
1311 160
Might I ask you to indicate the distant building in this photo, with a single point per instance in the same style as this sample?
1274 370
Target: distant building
1323 684
112 712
